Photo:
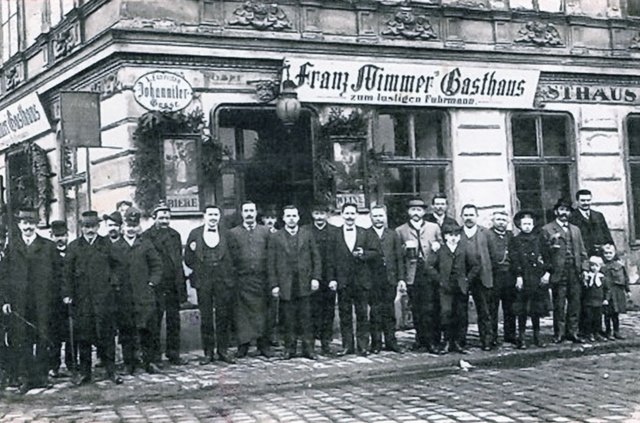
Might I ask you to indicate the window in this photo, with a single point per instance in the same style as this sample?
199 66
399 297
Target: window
58 9
633 158
633 7
542 160
9 24
539 5
415 156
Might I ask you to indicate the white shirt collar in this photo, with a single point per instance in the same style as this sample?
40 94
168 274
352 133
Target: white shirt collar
247 227
379 231
29 240
291 231
585 214
130 241
562 224
90 242
417 225
470 232
324 225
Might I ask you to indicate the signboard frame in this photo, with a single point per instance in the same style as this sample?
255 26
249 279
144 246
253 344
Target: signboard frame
182 171
80 129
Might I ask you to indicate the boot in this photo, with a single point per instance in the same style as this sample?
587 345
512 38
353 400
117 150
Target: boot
537 341
520 342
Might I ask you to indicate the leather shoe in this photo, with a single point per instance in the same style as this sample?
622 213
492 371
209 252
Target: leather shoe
326 349
83 380
310 355
115 378
207 359
266 353
363 353
243 350
152 368
177 361
287 355
575 339
486 348
557 339
345 351
619 336
394 348
226 358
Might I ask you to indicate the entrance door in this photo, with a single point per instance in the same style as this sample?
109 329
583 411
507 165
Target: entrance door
271 165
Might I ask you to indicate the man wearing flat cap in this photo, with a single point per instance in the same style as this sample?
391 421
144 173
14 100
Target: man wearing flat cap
172 289
60 316
566 255
29 271
419 239
139 272
90 288
123 206
113 223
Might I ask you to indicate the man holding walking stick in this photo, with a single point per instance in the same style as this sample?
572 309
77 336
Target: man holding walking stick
30 269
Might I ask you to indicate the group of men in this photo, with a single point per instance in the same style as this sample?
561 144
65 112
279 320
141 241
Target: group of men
252 280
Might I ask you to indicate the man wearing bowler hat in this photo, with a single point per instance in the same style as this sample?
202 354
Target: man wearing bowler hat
29 271
564 251
172 289
90 287
139 272
419 239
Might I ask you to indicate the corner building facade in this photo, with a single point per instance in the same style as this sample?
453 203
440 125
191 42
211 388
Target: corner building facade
504 104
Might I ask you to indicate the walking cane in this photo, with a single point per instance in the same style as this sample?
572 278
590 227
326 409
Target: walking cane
71 340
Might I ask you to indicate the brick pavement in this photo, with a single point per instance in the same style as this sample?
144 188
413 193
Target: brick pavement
140 395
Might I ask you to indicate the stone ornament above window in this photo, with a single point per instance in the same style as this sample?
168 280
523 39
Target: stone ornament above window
539 34
408 25
13 76
635 42
261 16
266 89
65 41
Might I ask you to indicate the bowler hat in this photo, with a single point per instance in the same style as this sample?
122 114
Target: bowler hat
114 217
162 206
132 216
59 228
29 215
562 202
517 218
124 202
416 202
89 218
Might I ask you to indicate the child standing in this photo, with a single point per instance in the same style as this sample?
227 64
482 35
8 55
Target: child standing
532 293
616 275
595 296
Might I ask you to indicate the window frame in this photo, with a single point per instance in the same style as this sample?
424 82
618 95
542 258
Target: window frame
540 160
19 13
629 160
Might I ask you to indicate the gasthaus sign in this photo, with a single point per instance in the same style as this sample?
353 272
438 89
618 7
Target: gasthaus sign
351 82
162 91
22 120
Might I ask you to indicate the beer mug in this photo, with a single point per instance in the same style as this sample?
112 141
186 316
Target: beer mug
411 248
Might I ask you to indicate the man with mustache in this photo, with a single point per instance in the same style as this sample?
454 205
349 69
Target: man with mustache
439 205
113 222
29 270
207 254
419 239
564 250
248 244
172 289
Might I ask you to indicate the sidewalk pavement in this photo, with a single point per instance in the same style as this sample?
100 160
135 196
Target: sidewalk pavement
260 375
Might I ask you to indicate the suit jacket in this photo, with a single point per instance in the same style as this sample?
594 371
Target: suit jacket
347 270
554 248
441 265
309 263
323 240
224 276
448 220
594 231
169 246
249 251
390 269
428 233
479 257
499 250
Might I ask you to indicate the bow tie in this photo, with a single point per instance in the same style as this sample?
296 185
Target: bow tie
250 227
349 229
212 230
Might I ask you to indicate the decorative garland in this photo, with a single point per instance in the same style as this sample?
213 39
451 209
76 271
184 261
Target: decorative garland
146 167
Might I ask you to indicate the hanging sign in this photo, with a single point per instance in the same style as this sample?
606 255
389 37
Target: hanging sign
162 91
351 82
22 120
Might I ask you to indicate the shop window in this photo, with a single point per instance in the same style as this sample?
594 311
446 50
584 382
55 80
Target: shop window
542 160
9 24
415 155
633 158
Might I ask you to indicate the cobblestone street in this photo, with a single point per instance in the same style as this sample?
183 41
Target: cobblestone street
559 383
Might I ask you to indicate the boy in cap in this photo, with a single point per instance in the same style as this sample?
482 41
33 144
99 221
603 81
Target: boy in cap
90 288
29 271
139 270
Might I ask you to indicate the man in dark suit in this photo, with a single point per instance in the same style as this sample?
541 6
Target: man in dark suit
323 301
294 273
503 280
352 251
592 224
439 205
172 290
29 270
90 287
475 241
388 275
207 255
564 250
248 244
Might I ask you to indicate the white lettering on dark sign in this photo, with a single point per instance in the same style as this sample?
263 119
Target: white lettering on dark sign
162 91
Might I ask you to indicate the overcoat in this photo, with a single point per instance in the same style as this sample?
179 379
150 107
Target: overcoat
594 230
169 245
527 262
309 263
618 279
139 270
89 281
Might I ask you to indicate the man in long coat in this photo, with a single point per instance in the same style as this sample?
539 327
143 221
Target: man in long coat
139 271
248 244
353 250
419 240
207 255
294 273
564 251
592 224
29 272
172 290
439 216
90 287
